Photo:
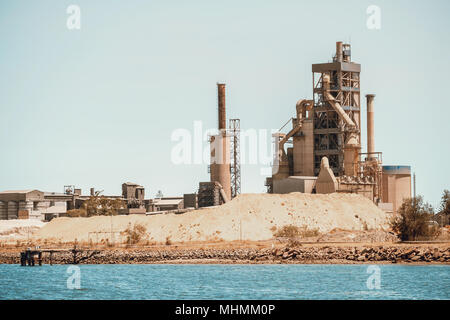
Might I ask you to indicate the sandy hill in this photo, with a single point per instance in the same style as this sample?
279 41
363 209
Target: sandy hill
251 215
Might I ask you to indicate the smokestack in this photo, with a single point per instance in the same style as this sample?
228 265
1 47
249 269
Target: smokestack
222 111
220 148
92 192
370 126
339 51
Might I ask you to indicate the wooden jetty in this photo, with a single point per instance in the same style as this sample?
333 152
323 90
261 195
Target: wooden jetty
29 256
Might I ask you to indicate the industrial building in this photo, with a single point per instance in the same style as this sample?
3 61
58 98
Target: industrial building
320 154
35 204
325 155
32 204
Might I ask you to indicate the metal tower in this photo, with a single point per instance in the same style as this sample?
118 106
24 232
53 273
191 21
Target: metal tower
235 150
343 88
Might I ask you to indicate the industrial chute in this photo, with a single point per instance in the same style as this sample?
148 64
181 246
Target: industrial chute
352 144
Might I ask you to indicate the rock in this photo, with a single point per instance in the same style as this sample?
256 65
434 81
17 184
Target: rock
361 258
416 258
436 254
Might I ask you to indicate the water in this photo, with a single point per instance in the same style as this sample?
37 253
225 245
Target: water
226 282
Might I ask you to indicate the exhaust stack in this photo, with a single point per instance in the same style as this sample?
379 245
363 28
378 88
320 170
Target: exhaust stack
370 126
222 110
339 51
220 148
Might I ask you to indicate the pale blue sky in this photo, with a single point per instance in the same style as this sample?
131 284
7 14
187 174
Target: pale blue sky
96 107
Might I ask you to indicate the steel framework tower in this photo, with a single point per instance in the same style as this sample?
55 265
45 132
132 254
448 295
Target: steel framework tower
342 88
235 146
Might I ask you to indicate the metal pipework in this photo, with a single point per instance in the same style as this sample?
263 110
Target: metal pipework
222 112
302 107
370 126
336 106
339 51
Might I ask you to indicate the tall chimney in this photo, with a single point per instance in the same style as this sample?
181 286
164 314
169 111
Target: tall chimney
92 192
222 111
370 126
339 51
220 148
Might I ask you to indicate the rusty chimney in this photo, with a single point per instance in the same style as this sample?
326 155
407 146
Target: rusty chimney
370 126
222 111
339 51
220 148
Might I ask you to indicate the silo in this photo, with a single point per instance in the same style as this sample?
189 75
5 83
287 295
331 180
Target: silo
3 210
13 210
396 185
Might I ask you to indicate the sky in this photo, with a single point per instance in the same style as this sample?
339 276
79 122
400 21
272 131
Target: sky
97 106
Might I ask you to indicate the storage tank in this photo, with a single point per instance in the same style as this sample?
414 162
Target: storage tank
13 210
396 185
3 210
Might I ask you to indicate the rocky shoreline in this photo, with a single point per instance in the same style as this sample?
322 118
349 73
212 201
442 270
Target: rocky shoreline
286 254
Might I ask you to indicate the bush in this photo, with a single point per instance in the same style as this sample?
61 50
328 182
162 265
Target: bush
98 205
291 231
412 221
136 234
443 216
74 213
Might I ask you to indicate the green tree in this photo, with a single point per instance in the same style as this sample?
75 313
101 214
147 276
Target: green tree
98 205
443 216
412 221
445 203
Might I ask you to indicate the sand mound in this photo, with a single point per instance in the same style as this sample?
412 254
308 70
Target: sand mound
247 217
18 229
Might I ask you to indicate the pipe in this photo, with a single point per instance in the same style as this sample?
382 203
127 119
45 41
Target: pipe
370 126
223 195
302 107
222 112
339 50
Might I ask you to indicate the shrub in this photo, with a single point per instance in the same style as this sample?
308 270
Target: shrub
288 231
291 231
412 221
135 234
76 213
98 205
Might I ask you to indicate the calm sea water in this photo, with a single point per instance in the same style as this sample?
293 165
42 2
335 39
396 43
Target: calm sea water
225 282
